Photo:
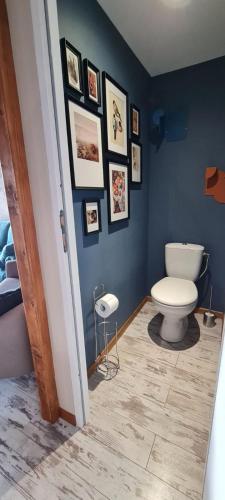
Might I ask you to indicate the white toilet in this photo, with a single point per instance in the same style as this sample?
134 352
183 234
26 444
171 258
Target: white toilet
176 295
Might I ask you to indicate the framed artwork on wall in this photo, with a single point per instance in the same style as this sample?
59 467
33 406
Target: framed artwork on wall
72 66
85 146
116 116
92 83
134 121
136 162
92 216
118 192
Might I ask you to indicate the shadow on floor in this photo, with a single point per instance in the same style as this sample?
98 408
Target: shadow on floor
26 440
191 338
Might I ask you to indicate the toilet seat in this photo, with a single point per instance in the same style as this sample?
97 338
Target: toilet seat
175 292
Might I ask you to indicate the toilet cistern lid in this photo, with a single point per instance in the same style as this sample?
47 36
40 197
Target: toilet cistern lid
174 291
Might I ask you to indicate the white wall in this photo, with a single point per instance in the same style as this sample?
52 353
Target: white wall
45 220
215 471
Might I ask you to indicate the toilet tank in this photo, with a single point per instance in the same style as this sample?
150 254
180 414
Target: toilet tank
183 260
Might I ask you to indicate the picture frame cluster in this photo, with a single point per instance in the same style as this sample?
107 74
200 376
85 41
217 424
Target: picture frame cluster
114 157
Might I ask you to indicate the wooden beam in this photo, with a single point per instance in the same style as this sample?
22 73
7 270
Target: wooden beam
15 173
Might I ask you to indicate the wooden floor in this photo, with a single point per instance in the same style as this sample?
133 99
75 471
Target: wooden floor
148 431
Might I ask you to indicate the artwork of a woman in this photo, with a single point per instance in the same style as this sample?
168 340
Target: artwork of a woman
117 120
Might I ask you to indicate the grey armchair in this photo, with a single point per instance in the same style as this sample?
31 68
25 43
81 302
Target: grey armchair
15 352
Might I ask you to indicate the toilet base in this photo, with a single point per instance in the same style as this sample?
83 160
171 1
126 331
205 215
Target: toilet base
173 329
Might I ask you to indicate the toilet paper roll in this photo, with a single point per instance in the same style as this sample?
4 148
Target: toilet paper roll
106 305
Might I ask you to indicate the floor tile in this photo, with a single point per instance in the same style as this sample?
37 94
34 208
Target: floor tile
177 467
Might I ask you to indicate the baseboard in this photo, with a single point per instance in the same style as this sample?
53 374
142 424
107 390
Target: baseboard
67 416
200 310
121 330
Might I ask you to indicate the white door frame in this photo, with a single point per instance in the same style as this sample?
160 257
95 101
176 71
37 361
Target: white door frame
48 60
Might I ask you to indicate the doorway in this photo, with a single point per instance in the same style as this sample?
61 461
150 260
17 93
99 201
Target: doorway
15 174
51 194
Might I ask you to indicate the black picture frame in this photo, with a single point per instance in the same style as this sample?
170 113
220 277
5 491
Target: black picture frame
65 45
139 145
84 204
120 165
137 110
70 97
88 64
111 153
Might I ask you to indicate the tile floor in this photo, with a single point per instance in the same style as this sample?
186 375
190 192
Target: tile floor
148 430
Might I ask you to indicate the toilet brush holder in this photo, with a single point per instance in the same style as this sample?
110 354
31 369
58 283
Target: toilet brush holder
209 319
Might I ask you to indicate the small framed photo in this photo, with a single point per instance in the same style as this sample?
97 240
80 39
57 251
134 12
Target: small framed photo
92 216
72 66
136 162
116 114
118 192
92 83
135 120
85 146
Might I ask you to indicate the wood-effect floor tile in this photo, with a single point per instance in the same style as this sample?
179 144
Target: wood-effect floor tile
177 467
119 433
166 422
147 433
189 406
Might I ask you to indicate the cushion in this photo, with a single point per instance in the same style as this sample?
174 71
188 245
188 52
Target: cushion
4 227
10 236
7 251
9 300
10 295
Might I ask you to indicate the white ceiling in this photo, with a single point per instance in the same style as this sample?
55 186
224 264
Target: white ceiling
167 35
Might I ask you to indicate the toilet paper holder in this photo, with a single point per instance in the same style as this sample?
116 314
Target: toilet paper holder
107 364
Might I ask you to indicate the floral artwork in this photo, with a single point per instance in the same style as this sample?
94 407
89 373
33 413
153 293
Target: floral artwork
118 192
118 184
92 83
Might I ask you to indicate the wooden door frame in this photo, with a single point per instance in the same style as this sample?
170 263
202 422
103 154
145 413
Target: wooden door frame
16 179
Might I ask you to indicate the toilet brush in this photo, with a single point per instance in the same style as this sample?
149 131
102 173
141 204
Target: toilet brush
209 318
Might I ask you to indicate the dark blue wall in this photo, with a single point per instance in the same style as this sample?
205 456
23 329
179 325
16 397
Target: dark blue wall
178 210
118 255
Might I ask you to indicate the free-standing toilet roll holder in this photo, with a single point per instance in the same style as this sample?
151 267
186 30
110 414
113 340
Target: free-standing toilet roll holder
107 364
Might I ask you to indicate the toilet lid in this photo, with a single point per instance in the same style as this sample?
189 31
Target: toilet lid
174 291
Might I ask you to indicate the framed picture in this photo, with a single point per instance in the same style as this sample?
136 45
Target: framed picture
135 120
136 162
116 115
85 146
118 192
92 216
92 83
72 66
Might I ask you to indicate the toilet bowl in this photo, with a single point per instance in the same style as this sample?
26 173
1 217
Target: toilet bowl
175 299
176 295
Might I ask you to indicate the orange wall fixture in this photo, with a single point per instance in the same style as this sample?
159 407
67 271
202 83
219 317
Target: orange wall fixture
215 183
